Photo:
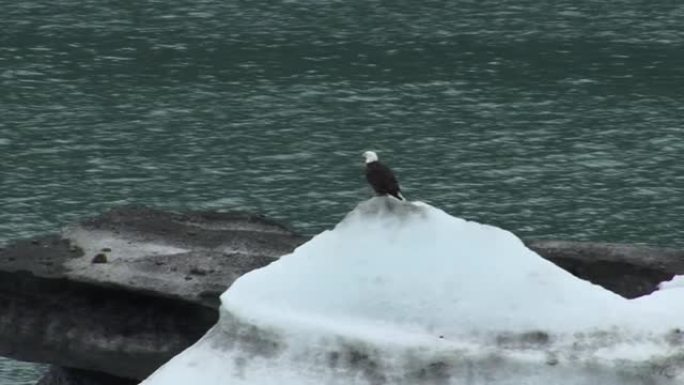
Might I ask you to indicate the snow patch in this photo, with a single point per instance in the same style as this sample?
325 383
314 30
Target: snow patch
120 256
675 283
93 242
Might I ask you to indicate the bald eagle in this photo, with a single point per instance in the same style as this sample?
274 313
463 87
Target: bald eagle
380 177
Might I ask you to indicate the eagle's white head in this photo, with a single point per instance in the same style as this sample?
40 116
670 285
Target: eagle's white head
370 156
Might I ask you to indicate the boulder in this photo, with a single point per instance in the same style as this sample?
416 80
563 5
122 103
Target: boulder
155 293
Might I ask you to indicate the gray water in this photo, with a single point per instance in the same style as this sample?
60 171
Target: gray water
560 120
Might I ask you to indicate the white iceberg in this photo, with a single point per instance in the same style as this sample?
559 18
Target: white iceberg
403 293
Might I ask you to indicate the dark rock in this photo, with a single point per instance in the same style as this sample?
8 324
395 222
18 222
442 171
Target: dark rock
132 314
99 258
68 376
629 270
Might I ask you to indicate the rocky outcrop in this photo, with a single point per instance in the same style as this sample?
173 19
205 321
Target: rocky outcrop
153 293
628 270
122 293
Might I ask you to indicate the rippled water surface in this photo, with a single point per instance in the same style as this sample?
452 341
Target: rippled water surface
18 373
560 120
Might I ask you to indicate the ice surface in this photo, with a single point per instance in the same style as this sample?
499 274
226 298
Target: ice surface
403 293
676 282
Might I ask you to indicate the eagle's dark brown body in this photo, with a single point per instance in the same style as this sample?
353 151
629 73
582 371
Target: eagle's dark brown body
382 179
